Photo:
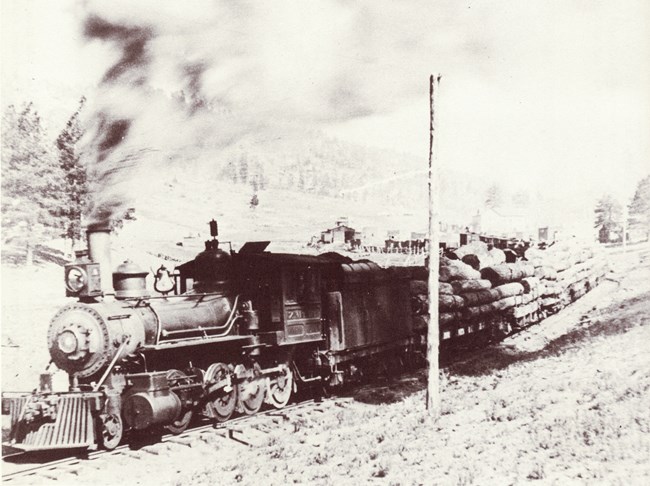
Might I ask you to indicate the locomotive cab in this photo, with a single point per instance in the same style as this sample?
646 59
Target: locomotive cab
286 290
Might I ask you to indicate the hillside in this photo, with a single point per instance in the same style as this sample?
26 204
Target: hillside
303 180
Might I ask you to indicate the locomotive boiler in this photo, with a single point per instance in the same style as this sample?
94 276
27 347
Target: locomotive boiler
235 331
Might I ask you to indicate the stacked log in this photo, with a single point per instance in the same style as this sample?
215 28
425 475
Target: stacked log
567 271
488 301
477 255
451 270
503 296
455 274
508 272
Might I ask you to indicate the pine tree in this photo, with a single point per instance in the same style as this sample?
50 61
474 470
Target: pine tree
608 213
75 189
494 197
639 209
243 169
31 182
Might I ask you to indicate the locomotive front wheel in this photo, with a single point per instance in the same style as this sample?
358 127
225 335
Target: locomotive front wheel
112 431
252 391
280 388
223 405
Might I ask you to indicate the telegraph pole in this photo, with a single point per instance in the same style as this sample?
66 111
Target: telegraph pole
625 216
433 335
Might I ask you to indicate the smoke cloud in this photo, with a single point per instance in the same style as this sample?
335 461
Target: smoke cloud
210 73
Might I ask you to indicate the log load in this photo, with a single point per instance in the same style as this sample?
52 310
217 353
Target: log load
524 310
473 248
531 284
479 297
491 308
514 294
545 272
465 286
507 272
449 317
444 288
448 302
509 289
482 260
451 270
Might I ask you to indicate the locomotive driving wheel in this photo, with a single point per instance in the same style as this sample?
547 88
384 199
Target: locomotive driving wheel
252 390
224 402
112 431
280 388
180 425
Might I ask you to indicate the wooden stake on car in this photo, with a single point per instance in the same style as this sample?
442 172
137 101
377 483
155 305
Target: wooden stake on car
433 388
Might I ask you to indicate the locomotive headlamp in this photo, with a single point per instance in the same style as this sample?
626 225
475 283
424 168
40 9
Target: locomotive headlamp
67 342
83 280
76 279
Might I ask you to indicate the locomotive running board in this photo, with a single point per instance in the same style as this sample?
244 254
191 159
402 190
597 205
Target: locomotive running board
199 341
336 357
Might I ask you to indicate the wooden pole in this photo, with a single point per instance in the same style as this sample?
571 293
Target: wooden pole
433 336
625 216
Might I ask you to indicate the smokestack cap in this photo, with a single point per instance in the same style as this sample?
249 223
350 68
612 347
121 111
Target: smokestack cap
98 228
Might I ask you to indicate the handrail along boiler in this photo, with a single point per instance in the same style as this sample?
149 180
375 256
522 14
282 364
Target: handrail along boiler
244 329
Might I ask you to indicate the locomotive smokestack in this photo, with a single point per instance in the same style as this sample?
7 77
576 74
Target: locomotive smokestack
99 251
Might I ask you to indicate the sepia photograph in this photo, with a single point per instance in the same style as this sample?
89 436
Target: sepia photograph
325 242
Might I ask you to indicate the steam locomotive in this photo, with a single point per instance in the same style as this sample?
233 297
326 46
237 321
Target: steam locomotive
235 331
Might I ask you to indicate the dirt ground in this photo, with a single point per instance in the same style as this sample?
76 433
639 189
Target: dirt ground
565 402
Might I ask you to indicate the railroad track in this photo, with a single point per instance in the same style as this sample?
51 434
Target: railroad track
250 430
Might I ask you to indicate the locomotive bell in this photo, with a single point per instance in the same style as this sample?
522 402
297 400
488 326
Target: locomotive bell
129 280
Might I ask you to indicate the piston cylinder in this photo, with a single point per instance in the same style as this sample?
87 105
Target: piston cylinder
149 401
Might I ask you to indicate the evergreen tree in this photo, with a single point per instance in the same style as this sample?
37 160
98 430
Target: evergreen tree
639 209
75 189
263 180
31 182
494 196
243 169
608 212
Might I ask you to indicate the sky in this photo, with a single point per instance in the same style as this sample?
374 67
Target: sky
547 95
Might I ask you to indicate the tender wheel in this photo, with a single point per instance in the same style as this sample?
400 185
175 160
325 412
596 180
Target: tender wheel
280 388
222 401
252 390
112 431
181 424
